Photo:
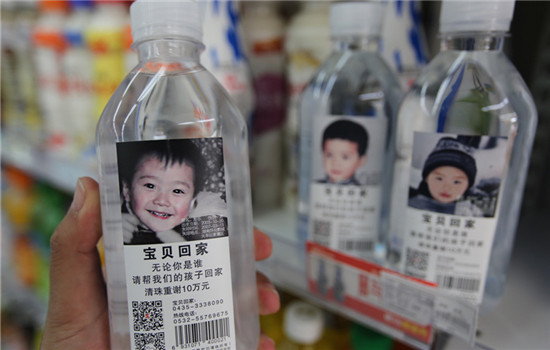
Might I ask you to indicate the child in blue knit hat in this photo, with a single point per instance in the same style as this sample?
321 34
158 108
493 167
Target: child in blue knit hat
447 176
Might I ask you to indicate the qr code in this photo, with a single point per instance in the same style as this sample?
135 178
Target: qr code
147 315
149 341
417 260
321 232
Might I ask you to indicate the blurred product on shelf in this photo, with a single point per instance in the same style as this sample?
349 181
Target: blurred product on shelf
30 213
303 327
264 31
61 61
403 43
315 329
464 135
365 338
224 54
307 44
347 117
77 72
17 198
105 39
20 110
49 47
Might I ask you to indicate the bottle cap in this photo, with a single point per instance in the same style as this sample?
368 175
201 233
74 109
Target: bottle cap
303 322
155 19
475 15
356 18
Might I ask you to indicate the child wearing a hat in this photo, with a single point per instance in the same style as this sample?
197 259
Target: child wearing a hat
447 177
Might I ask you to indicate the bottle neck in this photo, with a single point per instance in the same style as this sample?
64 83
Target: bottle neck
356 43
171 50
474 41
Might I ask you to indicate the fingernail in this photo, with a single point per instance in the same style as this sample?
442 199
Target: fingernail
79 195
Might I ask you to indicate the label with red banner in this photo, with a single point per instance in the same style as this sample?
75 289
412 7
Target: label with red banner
403 303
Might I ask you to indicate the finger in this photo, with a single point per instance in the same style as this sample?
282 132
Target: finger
77 289
268 297
266 343
262 245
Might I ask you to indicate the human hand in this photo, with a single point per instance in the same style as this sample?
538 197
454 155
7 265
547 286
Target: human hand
78 316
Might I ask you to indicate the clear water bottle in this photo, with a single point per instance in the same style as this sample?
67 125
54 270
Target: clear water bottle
175 195
464 134
347 117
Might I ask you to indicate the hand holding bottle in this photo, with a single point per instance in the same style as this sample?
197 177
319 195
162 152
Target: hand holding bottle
78 317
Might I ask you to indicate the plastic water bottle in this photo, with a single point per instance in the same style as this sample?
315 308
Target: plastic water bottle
172 149
347 120
307 45
49 47
403 41
464 135
264 36
224 53
77 69
105 39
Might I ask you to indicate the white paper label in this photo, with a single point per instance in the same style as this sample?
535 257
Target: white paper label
456 317
452 210
176 244
346 189
407 298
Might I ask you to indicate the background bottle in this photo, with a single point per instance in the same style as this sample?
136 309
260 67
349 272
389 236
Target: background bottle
307 44
264 38
354 89
168 96
77 71
28 108
224 54
472 94
403 40
50 44
104 37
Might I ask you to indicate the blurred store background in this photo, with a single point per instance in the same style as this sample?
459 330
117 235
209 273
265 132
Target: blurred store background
61 60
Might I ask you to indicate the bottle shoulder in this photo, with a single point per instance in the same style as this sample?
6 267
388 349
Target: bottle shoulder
346 69
165 103
489 71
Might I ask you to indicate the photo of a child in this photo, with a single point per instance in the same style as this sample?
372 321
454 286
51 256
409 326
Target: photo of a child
450 180
161 184
344 149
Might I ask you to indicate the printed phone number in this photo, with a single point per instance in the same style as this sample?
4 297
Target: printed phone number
198 305
198 318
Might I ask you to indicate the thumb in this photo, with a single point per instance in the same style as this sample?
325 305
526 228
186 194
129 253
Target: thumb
77 289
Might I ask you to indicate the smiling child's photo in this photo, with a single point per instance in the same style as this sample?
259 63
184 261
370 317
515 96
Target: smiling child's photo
163 189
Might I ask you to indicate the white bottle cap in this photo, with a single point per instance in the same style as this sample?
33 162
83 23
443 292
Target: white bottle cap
303 323
356 18
476 15
161 18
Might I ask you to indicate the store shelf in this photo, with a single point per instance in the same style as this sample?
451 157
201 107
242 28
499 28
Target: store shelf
59 172
287 269
521 321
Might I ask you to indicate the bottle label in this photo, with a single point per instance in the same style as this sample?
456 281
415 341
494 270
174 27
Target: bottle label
176 244
451 215
346 186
